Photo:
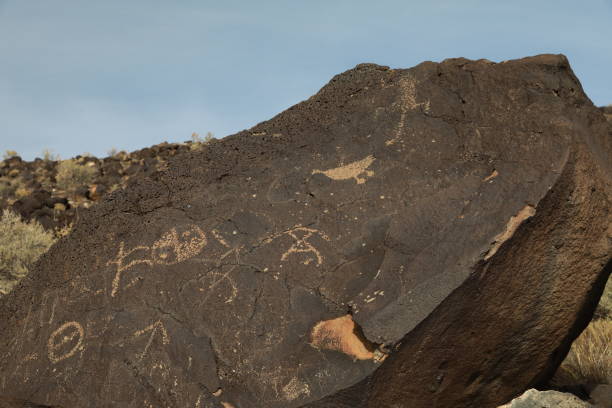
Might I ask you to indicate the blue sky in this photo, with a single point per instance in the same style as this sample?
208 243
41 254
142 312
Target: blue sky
87 76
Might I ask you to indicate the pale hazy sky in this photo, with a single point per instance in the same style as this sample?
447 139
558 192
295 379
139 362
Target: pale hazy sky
87 76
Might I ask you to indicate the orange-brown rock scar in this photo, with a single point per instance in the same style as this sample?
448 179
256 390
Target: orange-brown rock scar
342 334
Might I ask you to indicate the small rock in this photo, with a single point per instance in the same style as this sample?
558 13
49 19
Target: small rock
546 399
96 191
601 395
59 207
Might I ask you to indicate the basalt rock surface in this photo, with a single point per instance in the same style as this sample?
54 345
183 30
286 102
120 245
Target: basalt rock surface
428 237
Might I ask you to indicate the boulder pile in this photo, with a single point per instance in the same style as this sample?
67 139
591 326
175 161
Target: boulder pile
36 191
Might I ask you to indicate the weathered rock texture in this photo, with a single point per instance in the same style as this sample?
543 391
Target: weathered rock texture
430 237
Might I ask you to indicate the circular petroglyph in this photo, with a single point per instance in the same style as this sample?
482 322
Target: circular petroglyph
65 341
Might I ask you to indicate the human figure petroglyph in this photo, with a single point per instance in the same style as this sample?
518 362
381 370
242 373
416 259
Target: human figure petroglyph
301 235
357 170
407 103
65 341
172 248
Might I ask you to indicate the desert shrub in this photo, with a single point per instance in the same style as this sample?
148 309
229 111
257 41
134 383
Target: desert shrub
21 192
9 153
197 141
7 187
61 232
604 309
590 358
12 188
71 175
21 244
48 155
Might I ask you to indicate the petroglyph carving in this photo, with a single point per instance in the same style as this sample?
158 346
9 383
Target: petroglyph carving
218 277
407 103
220 238
222 270
65 341
153 328
355 170
301 235
294 389
45 310
172 248
491 176
408 95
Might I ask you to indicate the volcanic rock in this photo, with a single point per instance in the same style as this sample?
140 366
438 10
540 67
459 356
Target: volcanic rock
425 237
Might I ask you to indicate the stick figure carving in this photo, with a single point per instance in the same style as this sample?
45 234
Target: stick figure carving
301 235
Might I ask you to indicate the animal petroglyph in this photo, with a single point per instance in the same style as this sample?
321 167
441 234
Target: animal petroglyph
301 235
65 341
407 103
154 328
357 170
172 248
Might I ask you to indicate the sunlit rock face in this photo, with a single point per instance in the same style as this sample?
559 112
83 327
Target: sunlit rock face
427 237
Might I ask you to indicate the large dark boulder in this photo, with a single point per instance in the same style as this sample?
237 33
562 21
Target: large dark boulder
429 237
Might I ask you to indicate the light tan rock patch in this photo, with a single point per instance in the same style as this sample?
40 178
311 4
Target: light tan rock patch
515 221
339 334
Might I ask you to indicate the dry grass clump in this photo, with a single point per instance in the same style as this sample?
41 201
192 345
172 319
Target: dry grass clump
604 308
9 153
72 175
590 358
13 188
48 155
197 141
8 187
21 244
